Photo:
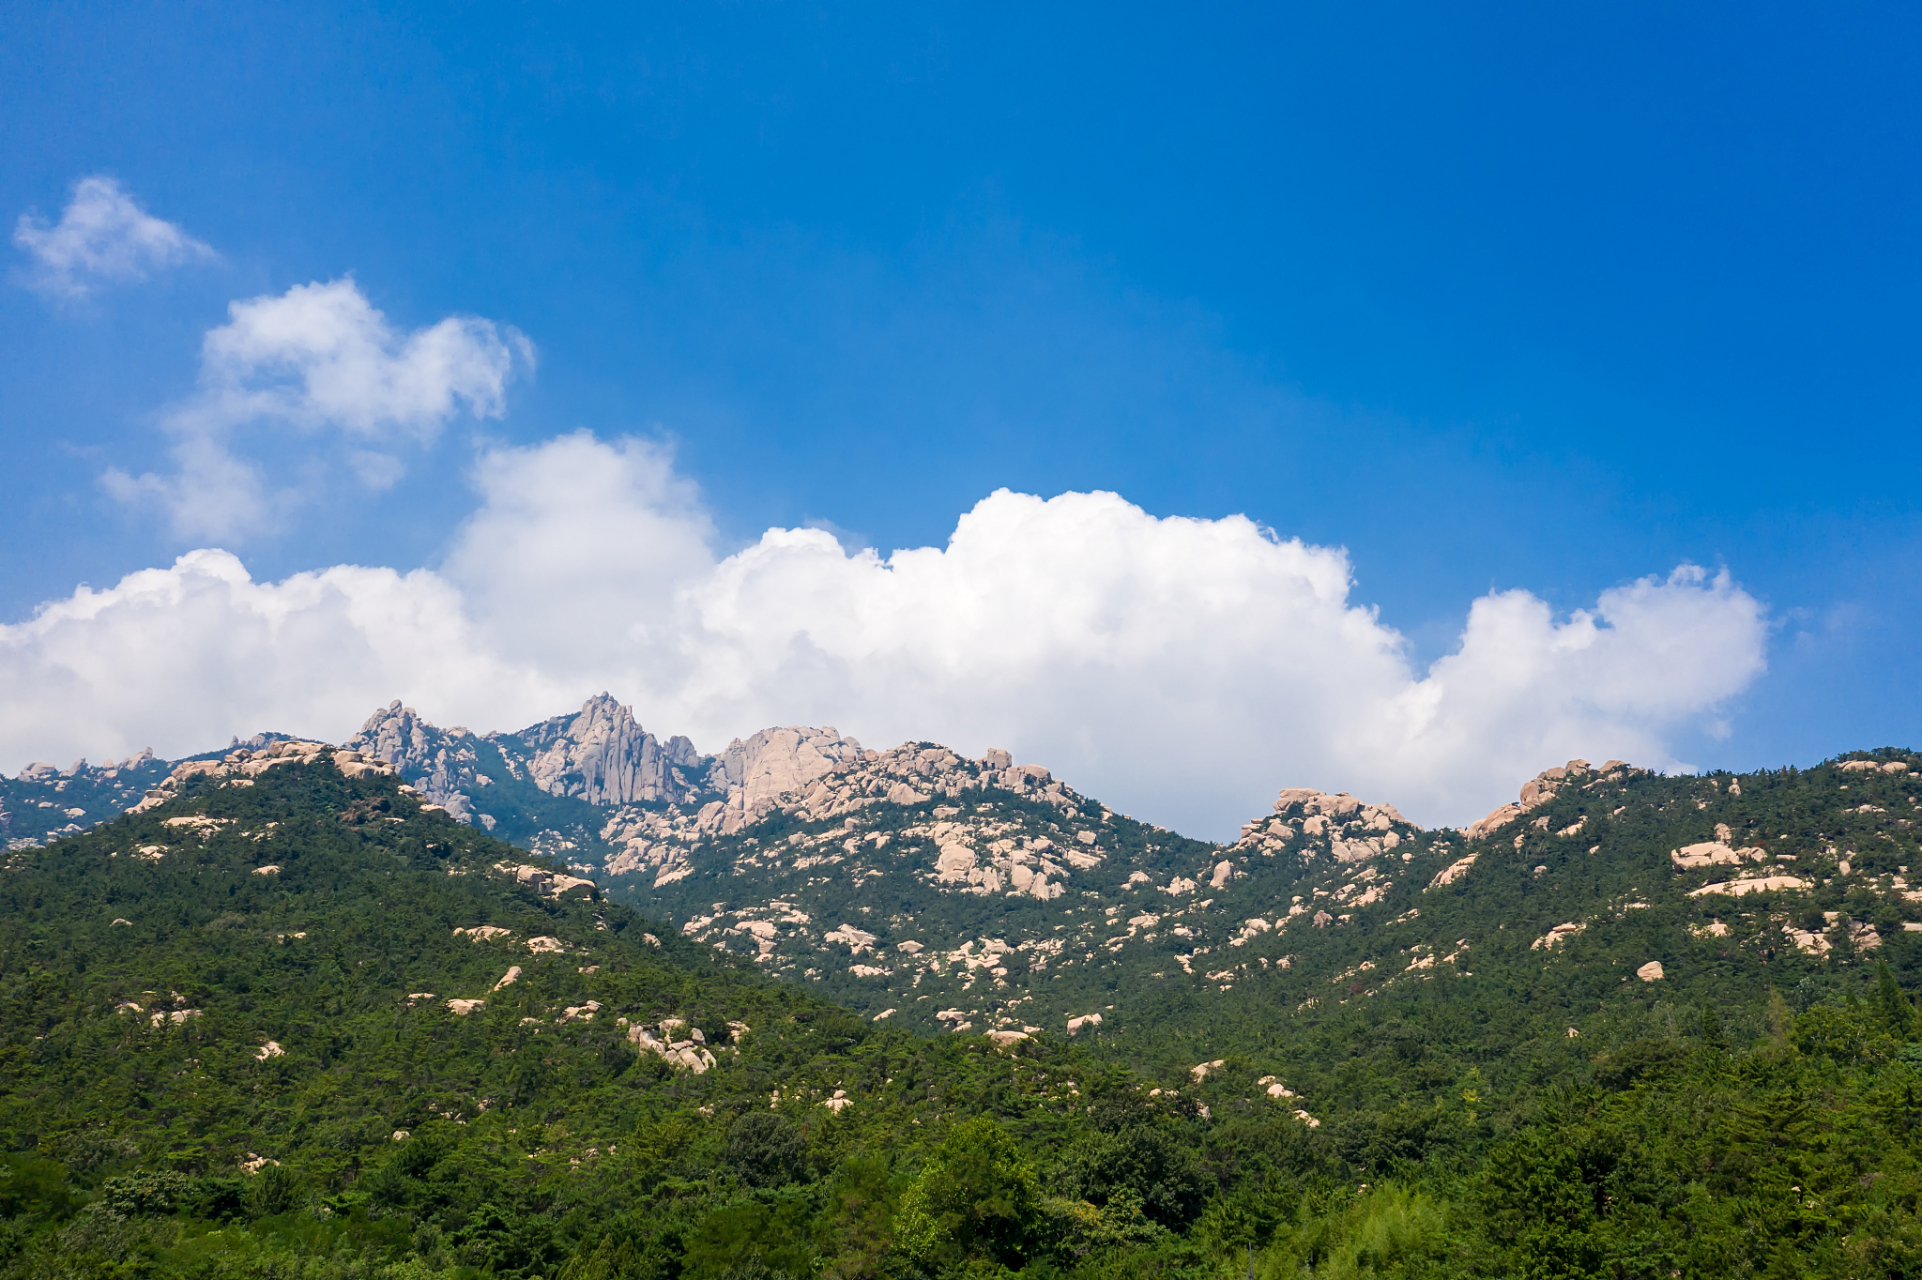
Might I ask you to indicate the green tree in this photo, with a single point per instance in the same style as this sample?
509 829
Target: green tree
1712 1033
976 1198
1896 1012
1141 1160
766 1150
755 1238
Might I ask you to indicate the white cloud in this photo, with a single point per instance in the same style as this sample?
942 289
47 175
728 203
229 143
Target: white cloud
103 237
582 552
1181 669
320 355
318 359
177 658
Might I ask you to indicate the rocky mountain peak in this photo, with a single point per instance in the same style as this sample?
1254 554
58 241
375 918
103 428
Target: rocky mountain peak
604 756
440 762
1354 830
398 735
775 762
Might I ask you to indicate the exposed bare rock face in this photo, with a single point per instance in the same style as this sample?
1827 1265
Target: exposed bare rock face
681 1047
1452 872
547 883
1544 787
603 756
600 755
1350 830
439 762
775 762
1712 853
822 775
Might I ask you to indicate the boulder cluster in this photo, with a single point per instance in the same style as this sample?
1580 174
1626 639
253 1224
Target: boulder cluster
240 767
816 775
1544 787
549 884
1308 820
679 1045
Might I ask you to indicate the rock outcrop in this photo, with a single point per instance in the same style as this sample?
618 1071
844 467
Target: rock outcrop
603 756
547 883
1712 853
441 763
1350 830
1760 884
827 776
1544 787
1873 766
777 762
242 766
1556 936
682 1047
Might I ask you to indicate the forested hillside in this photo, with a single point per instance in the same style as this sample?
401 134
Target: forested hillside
989 901
288 1022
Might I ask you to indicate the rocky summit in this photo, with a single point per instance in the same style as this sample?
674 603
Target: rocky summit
600 756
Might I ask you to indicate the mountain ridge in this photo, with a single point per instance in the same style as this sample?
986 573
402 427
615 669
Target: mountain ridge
288 1017
916 886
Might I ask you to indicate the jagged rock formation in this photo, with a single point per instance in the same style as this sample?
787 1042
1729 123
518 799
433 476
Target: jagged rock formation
776 761
442 763
604 756
600 756
1544 787
668 799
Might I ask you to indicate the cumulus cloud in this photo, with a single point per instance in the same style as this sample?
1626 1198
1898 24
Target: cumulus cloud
103 237
182 655
1182 669
314 362
320 355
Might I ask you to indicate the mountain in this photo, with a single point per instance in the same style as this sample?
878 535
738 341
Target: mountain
920 887
289 1007
598 757
924 889
291 1018
545 786
43 802
909 884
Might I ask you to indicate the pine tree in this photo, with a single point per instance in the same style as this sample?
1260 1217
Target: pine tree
1712 1034
1896 1012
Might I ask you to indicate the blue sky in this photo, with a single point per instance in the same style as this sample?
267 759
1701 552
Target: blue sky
1496 298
